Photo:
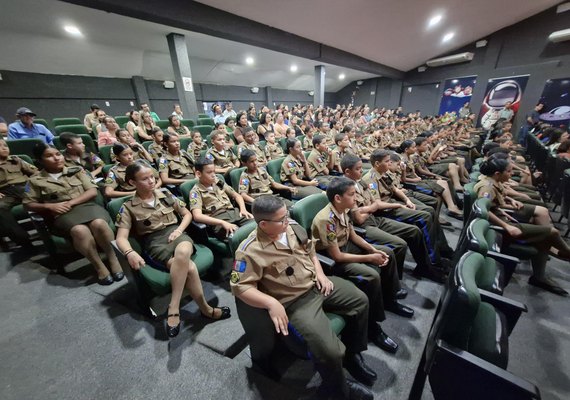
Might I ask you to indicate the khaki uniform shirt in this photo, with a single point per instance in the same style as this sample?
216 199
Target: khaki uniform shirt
494 191
259 153
195 150
146 218
90 121
372 142
178 167
363 195
156 151
393 179
410 167
116 178
330 227
361 150
227 159
89 161
337 155
317 163
256 184
378 185
291 166
284 272
15 171
211 200
43 188
273 151
308 144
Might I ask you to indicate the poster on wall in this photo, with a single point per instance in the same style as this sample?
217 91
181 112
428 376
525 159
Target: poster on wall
502 99
556 100
456 92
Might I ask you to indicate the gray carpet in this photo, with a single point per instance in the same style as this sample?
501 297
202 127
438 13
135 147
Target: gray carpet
64 337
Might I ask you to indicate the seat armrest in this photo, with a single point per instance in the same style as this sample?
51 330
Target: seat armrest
512 309
497 228
198 231
326 262
509 263
360 231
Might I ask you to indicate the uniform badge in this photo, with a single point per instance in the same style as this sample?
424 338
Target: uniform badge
487 195
193 198
291 164
181 203
209 156
110 178
119 215
162 164
234 277
331 232
27 188
244 182
239 266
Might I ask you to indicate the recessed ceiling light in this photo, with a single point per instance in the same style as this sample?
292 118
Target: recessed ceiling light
249 61
436 19
293 68
448 36
341 76
72 30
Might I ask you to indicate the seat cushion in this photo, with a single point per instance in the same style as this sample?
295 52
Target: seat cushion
490 277
488 338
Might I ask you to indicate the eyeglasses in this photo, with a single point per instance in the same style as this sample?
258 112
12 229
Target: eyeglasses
282 221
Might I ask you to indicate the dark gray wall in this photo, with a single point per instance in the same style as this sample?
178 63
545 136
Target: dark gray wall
422 98
386 93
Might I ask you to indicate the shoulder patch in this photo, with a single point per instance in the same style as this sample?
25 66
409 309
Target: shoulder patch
239 265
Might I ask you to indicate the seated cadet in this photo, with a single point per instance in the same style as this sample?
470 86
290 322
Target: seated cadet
294 169
152 214
76 156
450 170
384 231
116 183
272 150
265 264
65 198
139 152
210 202
222 156
289 134
14 173
249 136
176 166
383 189
342 148
360 148
255 181
308 139
156 148
372 268
320 162
197 145
527 224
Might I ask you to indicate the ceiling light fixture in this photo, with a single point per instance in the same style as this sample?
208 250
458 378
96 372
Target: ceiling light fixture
249 61
72 30
448 36
293 68
341 76
434 20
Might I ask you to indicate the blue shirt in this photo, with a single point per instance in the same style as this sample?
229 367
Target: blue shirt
17 130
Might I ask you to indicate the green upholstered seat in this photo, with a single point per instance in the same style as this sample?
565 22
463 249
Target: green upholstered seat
474 176
121 120
79 129
23 146
203 116
469 197
66 121
204 130
41 121
234 177
274 168
105 154
189 123
90 145
205 121
162 124
254 125
304 210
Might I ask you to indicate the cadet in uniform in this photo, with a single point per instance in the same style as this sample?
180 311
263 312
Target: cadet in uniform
156 149
197 145
223 158
308 139
543 236
277 274
294 169
255 181
320 162
210 202
272 150
152 215
76 156
64 197
249 143
342 148
176 166
14 173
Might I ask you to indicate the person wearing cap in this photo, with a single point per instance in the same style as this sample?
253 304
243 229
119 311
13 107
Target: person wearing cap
90 120
26 129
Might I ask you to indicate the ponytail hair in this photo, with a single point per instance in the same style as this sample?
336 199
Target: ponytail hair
492 165
406 144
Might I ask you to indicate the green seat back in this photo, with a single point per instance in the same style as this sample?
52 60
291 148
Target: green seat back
26 158
254 125
240 235
184 142
105 154
87 141
305 210
162 124
203 116
204 130
477 236
185 189
469 197
66 121
106 168
205 121
189 123
121 120
274 168
481 208
234 177
23 146
80 129
474 176
146 144
41 121
283 144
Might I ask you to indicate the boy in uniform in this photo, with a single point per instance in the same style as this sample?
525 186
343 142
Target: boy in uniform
249 136
223 158
76 156
320 162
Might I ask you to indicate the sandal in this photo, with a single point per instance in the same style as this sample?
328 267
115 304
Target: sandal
172 331
226 313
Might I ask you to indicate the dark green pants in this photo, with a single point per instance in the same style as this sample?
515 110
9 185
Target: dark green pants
9 226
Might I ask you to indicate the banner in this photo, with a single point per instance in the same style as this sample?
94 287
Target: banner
556 100
499 92
456 93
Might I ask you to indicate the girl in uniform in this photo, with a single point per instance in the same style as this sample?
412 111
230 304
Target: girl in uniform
176 166
295 168
152 216
65 198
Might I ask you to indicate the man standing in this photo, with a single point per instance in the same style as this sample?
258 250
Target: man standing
277 274
507 112
26 129
530 123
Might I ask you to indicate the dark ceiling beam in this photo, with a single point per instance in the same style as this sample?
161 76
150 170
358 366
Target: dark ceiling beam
198 17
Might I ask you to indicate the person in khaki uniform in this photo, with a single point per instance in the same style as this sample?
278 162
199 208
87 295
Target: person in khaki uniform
223 158
175 166
357 260
249 143
210 202
283 291
294 170
14 173
155 149
197 146
75 155
90 120
526 224
385 231
255 181
342 148
65 198
308 139
272 150
320 162
152 216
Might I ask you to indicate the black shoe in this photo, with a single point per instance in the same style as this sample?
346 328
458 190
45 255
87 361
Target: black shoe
266 369
400 309
172 331
226 313
445 265
380 339
354 363
358 392
547 285
118 276
455 215
430 273
106 281
401 294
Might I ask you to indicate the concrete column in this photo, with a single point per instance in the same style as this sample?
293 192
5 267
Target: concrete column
269 96
319 96
182 74
139 88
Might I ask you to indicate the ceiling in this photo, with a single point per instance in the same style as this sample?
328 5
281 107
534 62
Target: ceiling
390 32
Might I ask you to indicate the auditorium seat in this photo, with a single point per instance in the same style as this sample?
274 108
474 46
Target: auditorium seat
23 146
41 122
188 123
205 121
87 141
121 120
66 121
274 168
79 129
105 154
305 210
234 177
204 130
162 124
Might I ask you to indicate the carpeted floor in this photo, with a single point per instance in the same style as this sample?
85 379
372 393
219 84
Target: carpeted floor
65 337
